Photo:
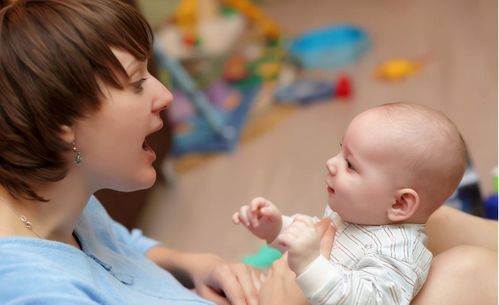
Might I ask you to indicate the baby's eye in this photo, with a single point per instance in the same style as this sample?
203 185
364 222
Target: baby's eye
349 165
138 85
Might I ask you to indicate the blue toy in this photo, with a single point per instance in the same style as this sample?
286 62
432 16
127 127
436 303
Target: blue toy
491 201
263 258
304 92
491 206
330 47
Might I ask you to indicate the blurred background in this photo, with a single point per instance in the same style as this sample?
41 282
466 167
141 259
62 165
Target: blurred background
265 89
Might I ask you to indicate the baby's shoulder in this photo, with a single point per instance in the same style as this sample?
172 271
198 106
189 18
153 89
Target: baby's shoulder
397 241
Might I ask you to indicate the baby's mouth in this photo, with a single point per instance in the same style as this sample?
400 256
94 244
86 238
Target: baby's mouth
330 190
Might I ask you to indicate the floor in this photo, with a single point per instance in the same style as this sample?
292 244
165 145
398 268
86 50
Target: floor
456 38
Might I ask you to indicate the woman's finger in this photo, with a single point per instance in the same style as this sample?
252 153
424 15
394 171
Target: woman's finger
236 282
244 275
328 232
210 294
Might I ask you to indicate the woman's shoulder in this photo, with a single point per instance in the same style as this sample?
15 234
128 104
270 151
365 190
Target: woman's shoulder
37 254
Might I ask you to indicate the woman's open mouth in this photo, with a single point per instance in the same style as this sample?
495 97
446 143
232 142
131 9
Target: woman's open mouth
145 145
148 149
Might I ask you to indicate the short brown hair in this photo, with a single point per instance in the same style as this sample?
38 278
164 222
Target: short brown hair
52 54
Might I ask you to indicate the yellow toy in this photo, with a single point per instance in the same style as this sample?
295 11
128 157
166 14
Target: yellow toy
268 27
190 12
186 16
396 69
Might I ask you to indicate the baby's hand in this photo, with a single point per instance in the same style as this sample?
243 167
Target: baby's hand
261 217
302 240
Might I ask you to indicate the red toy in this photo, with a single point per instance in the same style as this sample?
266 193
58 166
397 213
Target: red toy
343 87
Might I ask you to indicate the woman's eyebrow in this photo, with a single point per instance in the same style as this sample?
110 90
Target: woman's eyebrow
132 67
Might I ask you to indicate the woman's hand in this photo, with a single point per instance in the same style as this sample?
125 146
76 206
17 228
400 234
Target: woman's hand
280 287
225 283
213 278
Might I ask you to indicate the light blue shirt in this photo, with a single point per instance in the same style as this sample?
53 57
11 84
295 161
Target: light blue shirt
111 268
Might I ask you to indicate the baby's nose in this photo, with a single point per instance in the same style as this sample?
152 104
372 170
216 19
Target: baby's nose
331 167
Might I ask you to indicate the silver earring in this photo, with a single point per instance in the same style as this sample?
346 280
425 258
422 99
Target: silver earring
77 154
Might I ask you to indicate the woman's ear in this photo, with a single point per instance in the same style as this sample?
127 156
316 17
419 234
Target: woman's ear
67 134
406 203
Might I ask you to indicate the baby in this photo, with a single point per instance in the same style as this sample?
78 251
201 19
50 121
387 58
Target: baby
397 164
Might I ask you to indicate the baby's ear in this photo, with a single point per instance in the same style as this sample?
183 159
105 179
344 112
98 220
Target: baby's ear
406 203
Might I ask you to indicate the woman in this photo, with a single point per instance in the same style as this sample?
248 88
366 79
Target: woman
77 106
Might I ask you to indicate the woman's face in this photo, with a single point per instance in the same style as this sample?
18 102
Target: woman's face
112 141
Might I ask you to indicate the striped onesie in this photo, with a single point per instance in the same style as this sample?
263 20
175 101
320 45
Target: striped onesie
384 264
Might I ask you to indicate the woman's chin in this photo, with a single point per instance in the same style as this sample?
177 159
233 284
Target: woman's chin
148 181
144 181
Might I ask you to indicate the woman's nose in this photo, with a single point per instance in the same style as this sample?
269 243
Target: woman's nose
164 99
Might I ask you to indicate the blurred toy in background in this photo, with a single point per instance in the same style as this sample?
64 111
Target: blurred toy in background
193 30
185 16
268 27
327 48
491 200
232 47
305 91
396 69
236 68
263 258
212 75
330 47
196 26
248 68
192 132
344 86
182 79
467 196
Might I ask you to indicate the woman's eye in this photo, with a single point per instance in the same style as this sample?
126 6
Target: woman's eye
138 85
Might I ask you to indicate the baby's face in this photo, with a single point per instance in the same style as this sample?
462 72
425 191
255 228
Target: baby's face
362 179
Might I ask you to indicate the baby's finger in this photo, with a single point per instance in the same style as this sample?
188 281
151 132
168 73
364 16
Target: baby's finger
303 218
299 226
258 203
285 239
243 215
269 212
235 218
254 217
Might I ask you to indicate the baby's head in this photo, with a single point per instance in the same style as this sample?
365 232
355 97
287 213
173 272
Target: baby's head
398 163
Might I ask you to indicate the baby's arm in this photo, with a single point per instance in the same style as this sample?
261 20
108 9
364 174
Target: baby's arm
261 217
375 280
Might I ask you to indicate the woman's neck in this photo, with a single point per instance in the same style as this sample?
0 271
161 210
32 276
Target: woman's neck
52 220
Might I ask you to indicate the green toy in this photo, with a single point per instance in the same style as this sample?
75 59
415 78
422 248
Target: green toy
263 258
494 179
